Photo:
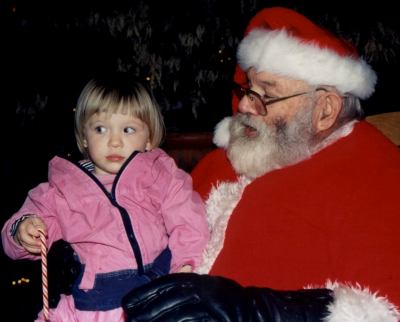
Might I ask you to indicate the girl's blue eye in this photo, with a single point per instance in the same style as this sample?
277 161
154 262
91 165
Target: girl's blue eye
129 130
100 129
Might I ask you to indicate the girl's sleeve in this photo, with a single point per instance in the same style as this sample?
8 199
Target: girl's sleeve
185 219
41 201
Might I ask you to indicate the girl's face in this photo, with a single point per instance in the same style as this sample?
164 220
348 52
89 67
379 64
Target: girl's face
111 139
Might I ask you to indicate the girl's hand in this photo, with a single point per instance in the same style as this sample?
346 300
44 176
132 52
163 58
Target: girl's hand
27 234
185 269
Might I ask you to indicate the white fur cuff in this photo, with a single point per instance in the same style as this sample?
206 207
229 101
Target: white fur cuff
357 304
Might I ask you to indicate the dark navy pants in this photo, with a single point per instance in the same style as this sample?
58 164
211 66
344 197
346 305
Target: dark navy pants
109 288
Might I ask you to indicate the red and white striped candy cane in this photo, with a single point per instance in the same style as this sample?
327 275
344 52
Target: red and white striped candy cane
45 287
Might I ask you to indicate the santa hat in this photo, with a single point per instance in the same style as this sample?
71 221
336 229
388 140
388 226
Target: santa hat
284 42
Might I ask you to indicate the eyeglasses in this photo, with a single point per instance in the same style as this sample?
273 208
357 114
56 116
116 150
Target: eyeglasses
259 102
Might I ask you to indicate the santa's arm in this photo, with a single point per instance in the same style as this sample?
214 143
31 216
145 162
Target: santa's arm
192 297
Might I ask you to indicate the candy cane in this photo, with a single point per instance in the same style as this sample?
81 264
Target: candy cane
45 287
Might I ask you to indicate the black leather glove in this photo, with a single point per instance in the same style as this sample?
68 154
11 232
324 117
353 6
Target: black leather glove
63 269
191 297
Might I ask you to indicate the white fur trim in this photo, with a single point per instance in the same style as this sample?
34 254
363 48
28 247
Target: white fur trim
221 132
357 304
278 52
339 133
219 207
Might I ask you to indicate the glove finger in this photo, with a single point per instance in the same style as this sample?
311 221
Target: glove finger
183 313
162 287
160 300
157 287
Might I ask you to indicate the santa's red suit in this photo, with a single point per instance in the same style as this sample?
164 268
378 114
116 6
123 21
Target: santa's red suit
335 216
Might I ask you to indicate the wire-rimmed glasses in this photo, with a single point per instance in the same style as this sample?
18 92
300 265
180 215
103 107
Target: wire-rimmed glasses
260 102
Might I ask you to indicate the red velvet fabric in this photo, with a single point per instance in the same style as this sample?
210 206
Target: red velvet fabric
211 169
335 216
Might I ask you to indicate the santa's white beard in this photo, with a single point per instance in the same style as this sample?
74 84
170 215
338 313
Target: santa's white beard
273 147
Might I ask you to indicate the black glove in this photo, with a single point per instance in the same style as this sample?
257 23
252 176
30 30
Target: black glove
191 297
63 269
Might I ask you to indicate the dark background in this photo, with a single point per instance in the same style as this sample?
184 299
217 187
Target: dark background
184 50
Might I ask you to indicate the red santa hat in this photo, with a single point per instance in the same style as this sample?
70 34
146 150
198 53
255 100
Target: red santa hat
284 42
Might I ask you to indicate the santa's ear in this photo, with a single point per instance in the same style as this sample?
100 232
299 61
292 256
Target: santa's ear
326 112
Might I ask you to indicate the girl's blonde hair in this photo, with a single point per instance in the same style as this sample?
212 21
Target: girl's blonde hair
118 93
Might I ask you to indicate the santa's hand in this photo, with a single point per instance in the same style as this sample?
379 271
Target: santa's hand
192 297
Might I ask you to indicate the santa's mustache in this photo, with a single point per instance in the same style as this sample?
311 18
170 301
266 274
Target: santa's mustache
254 128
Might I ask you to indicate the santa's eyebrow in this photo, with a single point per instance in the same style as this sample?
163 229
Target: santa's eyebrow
268 83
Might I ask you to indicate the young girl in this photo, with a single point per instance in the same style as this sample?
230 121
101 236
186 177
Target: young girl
129 213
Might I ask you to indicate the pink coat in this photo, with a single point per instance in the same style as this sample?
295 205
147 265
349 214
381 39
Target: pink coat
163 208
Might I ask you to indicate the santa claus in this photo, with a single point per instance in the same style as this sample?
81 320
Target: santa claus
301 191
